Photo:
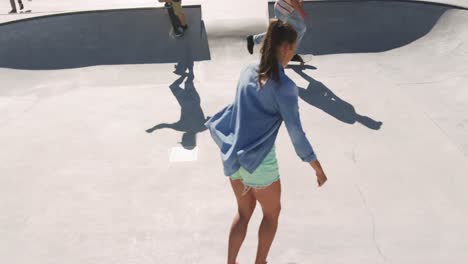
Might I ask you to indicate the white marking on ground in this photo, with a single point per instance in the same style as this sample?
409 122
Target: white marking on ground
180 154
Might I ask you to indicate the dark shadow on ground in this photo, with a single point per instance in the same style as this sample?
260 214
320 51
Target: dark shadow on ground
320 96
108 37
352 26
299 67
192 119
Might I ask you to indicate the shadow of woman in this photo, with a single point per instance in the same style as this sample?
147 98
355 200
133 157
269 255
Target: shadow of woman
318 95
192 119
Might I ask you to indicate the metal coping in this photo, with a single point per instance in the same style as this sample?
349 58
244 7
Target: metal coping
403 1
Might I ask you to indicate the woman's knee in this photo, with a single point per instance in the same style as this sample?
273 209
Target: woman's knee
273 213
245 213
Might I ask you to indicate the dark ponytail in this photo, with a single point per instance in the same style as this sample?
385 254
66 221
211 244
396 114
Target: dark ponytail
277 34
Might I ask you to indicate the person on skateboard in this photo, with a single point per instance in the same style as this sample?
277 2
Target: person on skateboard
288 11
246 131
177 6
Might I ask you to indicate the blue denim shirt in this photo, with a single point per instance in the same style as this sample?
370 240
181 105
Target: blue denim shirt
246 130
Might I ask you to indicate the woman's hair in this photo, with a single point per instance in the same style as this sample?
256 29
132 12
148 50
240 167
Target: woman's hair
278 33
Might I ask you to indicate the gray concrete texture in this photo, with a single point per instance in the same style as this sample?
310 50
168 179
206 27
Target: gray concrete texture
370 26
123 36
82 180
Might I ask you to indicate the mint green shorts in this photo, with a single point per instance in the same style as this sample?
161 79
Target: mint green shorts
266 174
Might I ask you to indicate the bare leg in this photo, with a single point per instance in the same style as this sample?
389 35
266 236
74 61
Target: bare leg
270 200
246 206
182 20
13 5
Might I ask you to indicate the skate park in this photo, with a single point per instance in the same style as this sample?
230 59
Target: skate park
104 157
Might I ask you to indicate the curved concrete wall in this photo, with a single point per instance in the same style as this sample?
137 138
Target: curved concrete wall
365 26
125 36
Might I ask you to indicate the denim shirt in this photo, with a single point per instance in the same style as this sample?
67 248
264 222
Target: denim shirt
246 130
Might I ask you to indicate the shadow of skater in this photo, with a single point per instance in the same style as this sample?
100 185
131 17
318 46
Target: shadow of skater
318 95
192 119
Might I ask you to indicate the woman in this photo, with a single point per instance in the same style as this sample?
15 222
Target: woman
246 132
288 11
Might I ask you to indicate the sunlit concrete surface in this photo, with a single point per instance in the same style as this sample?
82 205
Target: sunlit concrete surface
104 159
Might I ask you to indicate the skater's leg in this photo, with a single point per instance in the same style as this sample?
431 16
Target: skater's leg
269 198
182 19
13 6
245 207
177 5
296 21
259 38
278 15
20 2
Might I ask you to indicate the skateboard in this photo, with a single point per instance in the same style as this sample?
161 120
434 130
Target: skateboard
306 59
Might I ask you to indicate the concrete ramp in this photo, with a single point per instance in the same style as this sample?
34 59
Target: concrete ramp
125 36
111 164
365 26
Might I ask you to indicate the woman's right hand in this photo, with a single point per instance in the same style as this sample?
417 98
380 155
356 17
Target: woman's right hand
321 177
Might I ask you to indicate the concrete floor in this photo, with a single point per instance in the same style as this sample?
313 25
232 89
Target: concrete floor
81 181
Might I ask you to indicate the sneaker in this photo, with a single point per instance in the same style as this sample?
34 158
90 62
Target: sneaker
13 11
179 32
250 44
